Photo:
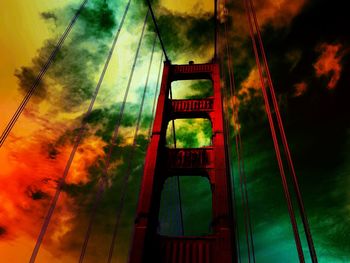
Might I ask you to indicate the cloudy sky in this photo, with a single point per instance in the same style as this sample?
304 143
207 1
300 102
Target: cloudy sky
308 48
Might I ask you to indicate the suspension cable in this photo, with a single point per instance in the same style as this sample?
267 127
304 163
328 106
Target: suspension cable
243 200
157 30
229 150
41 74
239 145
77 141
128 171
155 98
177 177
227 126
239 152
227 134
285 142
275 142
215 29
151 126
104 177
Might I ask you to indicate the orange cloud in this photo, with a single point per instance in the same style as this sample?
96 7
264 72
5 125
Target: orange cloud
328 64
87 153
250 87
235 117
277 12
20 249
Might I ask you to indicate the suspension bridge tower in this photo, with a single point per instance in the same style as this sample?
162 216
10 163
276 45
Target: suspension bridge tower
162 162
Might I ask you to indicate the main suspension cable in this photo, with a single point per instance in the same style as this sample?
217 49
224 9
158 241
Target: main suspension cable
227 135
41 74
285 142
150 127
157 30
215 29
274 138
239 152
104 177
229 150
128 171
77 141
155 98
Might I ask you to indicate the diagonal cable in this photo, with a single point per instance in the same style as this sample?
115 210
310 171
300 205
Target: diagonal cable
103 179
274 138
127 174
300 202
157 30
239 152
155 97
77 141
41 74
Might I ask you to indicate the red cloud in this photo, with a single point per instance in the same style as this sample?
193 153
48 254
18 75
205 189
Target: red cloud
328 64
30 180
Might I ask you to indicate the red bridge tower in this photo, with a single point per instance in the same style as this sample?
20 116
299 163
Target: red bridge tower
162 162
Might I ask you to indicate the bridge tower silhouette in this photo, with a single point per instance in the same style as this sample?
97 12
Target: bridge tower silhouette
162 162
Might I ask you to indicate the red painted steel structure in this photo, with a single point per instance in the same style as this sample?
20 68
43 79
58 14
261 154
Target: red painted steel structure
162 162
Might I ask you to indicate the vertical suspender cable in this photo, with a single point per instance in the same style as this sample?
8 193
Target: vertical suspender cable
233 191
173 124
177 177
285 142
42 72
239 163
127 174
239 152
151 124
275 142
215 29
103 179
155 97
236 230
239 147
235 217
227 126
77 141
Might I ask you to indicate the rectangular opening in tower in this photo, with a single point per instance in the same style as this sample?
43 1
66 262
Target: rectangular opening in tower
196 206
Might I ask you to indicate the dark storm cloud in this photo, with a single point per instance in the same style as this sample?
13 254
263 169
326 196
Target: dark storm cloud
78 60
48 16
318 23
2 231
293 50
316 123
36 194
201 89
27 77
184 32
106 118
52 151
